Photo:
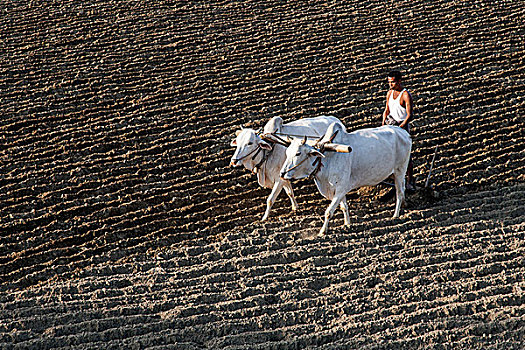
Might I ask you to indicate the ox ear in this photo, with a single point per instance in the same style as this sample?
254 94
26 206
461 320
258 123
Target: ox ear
234 143
316 153
265 145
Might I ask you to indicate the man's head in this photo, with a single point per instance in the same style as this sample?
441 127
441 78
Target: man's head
394 79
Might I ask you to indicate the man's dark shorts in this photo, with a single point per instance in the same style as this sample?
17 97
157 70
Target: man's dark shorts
391 121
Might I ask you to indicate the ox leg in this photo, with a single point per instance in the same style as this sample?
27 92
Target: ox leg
344 208
330 212
277 187
399 179
289 191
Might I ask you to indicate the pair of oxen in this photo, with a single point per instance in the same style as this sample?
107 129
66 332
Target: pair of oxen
282 152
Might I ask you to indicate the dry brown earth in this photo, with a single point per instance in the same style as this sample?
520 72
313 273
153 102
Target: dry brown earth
121 225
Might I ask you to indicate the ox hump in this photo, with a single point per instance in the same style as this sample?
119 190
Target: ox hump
332 129
273 125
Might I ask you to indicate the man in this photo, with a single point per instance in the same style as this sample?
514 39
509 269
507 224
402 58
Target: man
398 111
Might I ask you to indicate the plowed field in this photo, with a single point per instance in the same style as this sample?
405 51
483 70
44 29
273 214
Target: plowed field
122 226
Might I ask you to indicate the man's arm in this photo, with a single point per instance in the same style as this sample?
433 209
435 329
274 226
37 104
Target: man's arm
407 98
386 112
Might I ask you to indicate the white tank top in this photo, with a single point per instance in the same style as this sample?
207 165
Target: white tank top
398 112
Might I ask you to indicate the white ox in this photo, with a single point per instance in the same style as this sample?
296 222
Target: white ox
376 154
266 159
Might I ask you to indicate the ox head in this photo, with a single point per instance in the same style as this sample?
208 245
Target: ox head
247 143
300 159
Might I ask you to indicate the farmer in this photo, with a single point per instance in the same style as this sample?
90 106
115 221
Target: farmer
398 111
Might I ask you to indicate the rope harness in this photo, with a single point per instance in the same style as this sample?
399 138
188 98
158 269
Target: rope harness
266 153
318 160
317 168
250 153
318 163
264 159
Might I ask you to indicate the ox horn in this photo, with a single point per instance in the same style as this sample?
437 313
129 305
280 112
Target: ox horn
304 140
239 131
334 135
319 139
